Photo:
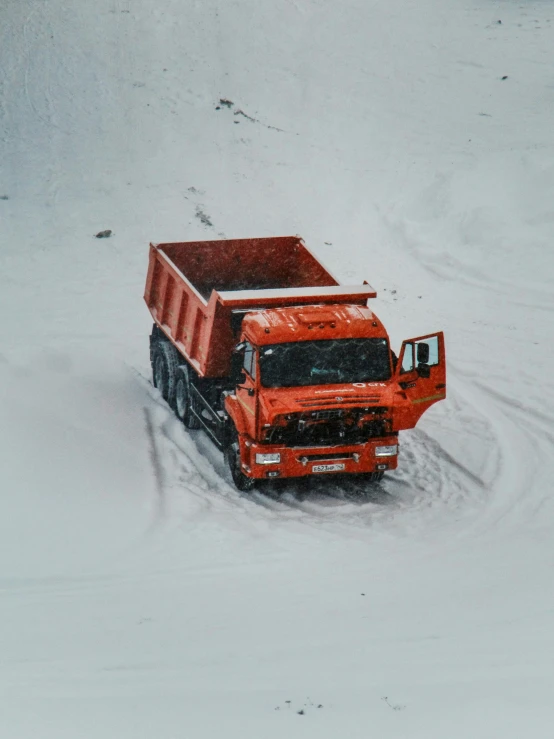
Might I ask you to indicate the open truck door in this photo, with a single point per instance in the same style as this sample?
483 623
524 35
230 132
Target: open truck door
421 375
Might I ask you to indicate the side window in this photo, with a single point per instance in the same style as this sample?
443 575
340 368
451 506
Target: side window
250 360
408 358
253 364
433 349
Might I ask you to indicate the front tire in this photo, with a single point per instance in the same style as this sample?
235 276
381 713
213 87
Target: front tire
373 476
232 458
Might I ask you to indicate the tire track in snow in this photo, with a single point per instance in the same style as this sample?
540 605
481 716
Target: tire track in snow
525 447
431 490
184 469
204 482
448 266
537 419
157 467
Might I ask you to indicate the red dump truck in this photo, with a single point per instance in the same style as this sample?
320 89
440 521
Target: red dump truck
289 372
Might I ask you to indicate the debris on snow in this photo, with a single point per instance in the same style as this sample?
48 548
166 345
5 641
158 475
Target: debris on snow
394 706
104 234
225 103
245 115
203 218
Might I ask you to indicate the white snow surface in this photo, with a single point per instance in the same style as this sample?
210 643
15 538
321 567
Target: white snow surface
143 597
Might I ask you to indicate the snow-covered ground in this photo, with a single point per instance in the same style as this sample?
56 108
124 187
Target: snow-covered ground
141 596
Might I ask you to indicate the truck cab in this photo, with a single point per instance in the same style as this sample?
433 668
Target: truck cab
318 390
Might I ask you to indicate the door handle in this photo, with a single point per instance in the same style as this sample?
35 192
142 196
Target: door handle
440 385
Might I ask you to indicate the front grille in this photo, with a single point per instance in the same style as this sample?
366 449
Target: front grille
331 427
326 415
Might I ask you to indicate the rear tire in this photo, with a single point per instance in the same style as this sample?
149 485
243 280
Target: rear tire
183 399
165 363
232 458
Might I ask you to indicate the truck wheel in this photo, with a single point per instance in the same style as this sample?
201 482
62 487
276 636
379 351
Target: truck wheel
165 362
183 399
373 476
232 458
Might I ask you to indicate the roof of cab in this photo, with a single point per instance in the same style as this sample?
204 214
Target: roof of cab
311 323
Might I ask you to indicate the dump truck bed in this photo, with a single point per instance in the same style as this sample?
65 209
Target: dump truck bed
198 291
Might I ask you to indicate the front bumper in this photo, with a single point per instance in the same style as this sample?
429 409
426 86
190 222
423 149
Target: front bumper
300 461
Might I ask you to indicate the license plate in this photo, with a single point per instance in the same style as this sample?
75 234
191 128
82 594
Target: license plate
328 467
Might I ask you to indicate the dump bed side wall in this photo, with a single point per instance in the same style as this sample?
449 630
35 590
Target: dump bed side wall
179 310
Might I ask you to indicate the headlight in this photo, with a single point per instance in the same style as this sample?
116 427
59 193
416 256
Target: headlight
386 451
268 458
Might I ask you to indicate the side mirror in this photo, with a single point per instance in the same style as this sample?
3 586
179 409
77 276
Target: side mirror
423 353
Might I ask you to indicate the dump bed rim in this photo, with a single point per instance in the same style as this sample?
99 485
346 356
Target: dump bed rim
291 295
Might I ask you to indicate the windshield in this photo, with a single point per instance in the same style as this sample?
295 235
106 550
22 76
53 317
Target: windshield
325 362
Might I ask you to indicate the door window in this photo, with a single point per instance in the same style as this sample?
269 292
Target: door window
433 345
408 358
250 360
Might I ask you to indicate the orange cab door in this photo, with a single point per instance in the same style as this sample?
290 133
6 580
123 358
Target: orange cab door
421 376
246 391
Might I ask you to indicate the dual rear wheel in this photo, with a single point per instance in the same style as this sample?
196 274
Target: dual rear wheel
183 399
164 366
173 380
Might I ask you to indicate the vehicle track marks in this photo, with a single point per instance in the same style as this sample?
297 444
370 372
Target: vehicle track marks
431 491
157 467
